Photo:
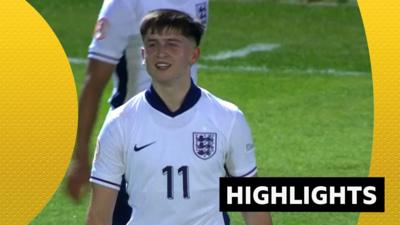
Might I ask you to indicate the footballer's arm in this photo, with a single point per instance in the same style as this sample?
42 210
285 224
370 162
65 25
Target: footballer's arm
97 76
257 218
102 205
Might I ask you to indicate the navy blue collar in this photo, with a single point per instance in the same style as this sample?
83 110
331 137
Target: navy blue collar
191 98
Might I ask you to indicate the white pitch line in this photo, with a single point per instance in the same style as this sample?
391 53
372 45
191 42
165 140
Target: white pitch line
329 71
320 3
242 52
263 69
260 69
79 61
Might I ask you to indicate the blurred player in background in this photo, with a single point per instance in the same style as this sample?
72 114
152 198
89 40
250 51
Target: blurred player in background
173 141
116 48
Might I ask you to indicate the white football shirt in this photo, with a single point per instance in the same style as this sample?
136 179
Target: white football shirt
173 161
117 37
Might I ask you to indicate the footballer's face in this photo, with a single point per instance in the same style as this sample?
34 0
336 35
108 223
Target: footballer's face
169 55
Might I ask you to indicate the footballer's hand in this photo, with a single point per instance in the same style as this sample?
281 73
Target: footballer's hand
78 179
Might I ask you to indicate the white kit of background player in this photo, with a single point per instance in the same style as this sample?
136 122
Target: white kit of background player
117 35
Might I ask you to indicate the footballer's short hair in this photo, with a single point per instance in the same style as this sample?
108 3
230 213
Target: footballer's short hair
160 20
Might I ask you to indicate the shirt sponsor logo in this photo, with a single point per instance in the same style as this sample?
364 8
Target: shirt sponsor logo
138 148
204 144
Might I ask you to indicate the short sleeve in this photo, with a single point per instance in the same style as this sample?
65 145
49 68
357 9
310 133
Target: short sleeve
240 159
108 164
115 24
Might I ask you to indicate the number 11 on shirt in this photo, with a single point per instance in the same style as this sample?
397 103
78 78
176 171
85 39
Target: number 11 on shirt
184 172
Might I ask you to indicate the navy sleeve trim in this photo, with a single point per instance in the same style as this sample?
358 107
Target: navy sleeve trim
244 175
251 171
104 56
227 172
108 182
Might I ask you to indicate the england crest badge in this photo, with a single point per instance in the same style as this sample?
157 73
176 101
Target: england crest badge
202 12
204 144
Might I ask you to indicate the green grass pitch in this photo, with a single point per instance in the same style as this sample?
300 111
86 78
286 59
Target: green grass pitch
309 102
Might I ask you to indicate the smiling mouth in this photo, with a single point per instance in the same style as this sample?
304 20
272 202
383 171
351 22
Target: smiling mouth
162 66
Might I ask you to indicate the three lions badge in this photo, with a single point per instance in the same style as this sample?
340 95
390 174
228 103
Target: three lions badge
204 144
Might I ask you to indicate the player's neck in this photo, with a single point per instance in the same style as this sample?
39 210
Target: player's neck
173 93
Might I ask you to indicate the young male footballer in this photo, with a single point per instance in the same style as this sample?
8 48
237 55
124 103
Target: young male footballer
116 47
173 141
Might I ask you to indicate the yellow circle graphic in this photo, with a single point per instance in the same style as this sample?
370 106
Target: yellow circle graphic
382 26
38 112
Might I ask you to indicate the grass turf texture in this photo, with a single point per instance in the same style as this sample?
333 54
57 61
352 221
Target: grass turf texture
303 123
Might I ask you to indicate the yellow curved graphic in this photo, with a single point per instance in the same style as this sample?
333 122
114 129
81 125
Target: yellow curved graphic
382 26
38 112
